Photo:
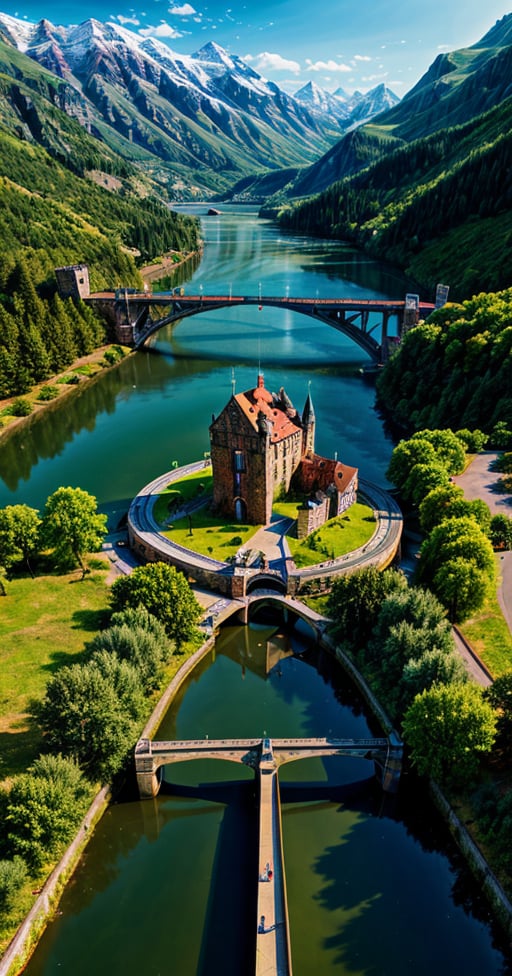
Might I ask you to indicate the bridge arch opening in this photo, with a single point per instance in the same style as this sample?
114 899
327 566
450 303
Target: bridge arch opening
264 582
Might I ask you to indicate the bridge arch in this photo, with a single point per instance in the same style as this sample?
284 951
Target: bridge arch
132 312
342 318
265 581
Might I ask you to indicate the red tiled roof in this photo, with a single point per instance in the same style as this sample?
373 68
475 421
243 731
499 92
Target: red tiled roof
254 402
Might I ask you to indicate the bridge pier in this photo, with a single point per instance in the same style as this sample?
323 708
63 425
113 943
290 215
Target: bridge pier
148 777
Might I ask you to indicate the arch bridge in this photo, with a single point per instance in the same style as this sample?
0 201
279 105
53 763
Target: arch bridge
139 315
273 947
151 755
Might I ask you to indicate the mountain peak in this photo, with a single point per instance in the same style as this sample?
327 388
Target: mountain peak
214 54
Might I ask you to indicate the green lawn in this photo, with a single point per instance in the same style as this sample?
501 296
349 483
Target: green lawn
336 538
44 623
209 535
488 633
183 490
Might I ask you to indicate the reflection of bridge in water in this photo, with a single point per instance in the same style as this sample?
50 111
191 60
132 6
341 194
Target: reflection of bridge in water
138 315
273 952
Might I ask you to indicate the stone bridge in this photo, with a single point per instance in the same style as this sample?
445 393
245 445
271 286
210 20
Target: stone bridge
151 756
265 756
139 315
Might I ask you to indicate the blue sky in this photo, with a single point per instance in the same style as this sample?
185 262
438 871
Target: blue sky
355 44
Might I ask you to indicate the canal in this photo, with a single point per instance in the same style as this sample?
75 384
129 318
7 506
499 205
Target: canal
168 886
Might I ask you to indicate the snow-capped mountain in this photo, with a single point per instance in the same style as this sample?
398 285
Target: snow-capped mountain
202 120
202 112
348 110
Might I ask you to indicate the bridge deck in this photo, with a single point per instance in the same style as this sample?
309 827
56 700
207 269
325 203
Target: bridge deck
273 951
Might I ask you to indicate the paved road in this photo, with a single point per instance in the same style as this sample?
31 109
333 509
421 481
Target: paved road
479 481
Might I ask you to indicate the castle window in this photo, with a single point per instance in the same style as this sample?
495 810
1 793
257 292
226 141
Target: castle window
239 461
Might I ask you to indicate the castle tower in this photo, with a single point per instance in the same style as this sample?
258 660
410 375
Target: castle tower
73 281
308 427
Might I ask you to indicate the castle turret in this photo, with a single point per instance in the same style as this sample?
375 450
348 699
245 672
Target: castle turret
308 427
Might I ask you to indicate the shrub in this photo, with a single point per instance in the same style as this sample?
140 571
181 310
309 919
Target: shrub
21 407
47 393
13 874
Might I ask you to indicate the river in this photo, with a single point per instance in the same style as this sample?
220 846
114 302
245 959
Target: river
168 886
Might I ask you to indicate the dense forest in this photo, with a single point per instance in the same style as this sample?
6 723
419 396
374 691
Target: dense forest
455 370
430 206
50 215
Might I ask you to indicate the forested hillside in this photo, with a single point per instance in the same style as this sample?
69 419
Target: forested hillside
455 370
49 217
451 186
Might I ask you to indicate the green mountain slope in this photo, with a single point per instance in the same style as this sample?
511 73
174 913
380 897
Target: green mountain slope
423 206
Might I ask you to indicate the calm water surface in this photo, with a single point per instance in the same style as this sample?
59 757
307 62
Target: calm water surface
167 886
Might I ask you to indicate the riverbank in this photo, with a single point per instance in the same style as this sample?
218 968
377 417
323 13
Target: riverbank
166 265
65 384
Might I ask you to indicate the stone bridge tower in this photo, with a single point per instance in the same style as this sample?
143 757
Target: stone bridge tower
73 281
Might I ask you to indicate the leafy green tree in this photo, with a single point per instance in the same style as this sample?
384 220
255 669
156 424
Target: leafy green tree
501 436
461 586
410 625
72 525
355 600
43 808
473 441
405 455
500 531
165 593
447 728
434 667
92 712
423 478
452 539
143 649
19 534
449 450
447 501
499 694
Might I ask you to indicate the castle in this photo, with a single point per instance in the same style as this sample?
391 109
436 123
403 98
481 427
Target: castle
262 448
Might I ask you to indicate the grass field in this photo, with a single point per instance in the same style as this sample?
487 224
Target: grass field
44 623
488 633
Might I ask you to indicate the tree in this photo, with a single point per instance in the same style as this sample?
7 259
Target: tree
499 694
473 441
164 592
447 501
406 454
500 531
355 600
43 808
92 713
448 447
447 728
72 525
461 586
434 667
141 648
452 539
422 478
19 534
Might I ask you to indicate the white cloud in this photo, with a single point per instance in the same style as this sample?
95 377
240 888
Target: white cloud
265 61
163 30
361 57
326 65
186 10
128 20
